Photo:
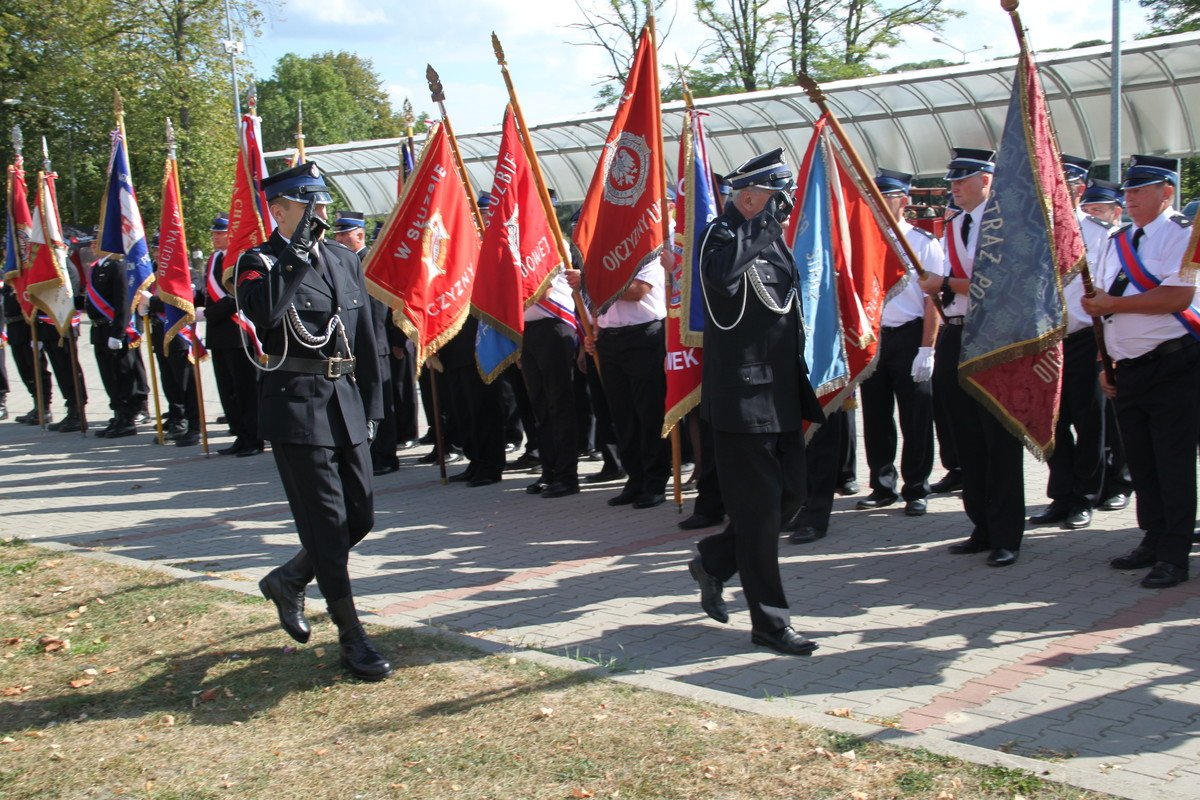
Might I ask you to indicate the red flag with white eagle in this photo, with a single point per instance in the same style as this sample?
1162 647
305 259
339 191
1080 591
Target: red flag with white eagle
16 243
424 262
620 224
46 281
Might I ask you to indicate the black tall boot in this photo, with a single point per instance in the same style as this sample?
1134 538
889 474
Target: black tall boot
359 656
284 586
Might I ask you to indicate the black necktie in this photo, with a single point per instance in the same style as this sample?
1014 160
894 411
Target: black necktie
1122 282
966 230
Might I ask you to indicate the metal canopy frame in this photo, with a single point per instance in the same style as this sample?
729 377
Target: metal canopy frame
906 121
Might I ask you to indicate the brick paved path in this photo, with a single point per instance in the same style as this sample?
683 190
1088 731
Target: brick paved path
1057 658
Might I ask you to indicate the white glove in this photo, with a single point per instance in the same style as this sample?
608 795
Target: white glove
200 314
115 344
372 429
922 368
143 306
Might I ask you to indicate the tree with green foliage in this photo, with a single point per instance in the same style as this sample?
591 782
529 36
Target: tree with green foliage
1173 16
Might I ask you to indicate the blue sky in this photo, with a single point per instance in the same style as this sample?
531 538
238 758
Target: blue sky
556 79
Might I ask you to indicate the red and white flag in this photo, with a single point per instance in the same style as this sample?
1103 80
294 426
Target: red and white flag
46 281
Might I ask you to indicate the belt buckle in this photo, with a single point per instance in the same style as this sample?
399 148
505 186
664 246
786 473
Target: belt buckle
333 367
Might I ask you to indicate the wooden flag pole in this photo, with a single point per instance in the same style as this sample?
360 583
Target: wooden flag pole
300 157
543 192
76 377
438 94
1085 274
818 97
39 399
665 211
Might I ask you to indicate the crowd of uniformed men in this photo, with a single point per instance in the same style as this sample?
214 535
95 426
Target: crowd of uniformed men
323 338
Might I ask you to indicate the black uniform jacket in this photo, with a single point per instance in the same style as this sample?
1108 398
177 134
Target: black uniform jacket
379 316
220 331
297 407
108 278
755 376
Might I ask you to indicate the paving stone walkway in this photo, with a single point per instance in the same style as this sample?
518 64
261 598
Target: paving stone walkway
1059 658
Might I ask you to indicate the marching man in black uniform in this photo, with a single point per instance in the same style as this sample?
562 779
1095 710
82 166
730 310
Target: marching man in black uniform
755 396
1151 326
121 369
319 404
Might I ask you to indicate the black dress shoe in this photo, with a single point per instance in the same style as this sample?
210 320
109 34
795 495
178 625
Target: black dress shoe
251 449
526 461
1079 518
429 438
359 656
511 447
1137 558
1001 557
626 497
967 547
284 586
1115 503
952 481
710 592
122 428
876 501
106 430
606 475
560 489
475 483
68 424
407 444
806 534
849 487
649 501
916 507
697 521
1056 512
462 477
537 487
1162 575
233 449
385 469
784 640
222 420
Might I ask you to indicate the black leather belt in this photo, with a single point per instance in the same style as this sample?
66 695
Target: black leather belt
954 320
910 323
334 367
1163 350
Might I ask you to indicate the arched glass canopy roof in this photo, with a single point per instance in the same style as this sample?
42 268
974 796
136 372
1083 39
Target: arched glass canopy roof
906 121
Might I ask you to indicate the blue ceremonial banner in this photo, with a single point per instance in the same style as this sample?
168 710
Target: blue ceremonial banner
121 231
813 249
1029 240
493 349
701 201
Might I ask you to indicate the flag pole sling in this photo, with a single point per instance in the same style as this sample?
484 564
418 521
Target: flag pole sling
543 192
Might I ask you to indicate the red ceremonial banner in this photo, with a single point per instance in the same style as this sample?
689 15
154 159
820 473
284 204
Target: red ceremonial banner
250 223
424 263
620 224
20 224
45 281
174 269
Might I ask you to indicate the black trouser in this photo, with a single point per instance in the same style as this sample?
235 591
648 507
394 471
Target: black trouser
889 386
942 426
992 458
1077 463
821 473
585 423
1160 423
605 439
453 427
383 449
237 386
520 415
179 386
762 477
329 491
709 501
58 353
3 363
635 385
475 406
548 364
124 377
404 394
20 341
847 452
1116 469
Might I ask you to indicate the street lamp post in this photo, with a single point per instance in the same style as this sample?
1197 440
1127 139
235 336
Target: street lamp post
962 53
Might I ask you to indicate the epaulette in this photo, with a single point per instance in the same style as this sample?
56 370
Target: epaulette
1117 231
1097 221
1181 220
928 233
718 231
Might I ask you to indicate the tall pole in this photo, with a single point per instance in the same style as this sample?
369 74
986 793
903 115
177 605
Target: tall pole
18 143
233 47
300 157
438 95
1114 158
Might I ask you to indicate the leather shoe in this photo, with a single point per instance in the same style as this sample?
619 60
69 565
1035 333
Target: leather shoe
284 586
875 501
407 444
537 487
607 474
649 500
785 640
252 449
461 477
1162 575
122 428
233 449
710 592
385 469
477 482
1079 518
626 497
1137 558
1055 512
359 656
1001 557
526 461
968 547
916 507
849 487
697 521
190 438
806 535
950 482
560 489
1115 503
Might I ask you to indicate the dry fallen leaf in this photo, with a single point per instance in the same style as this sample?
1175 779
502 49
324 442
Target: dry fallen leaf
12 640
91 671
51 644
849 755
79 683
167 721
7 740
944 795
210 694
545 713
320 751
579 791
859 796
151 618
111 670
319 652
13 691
63 589
839 712
709 725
